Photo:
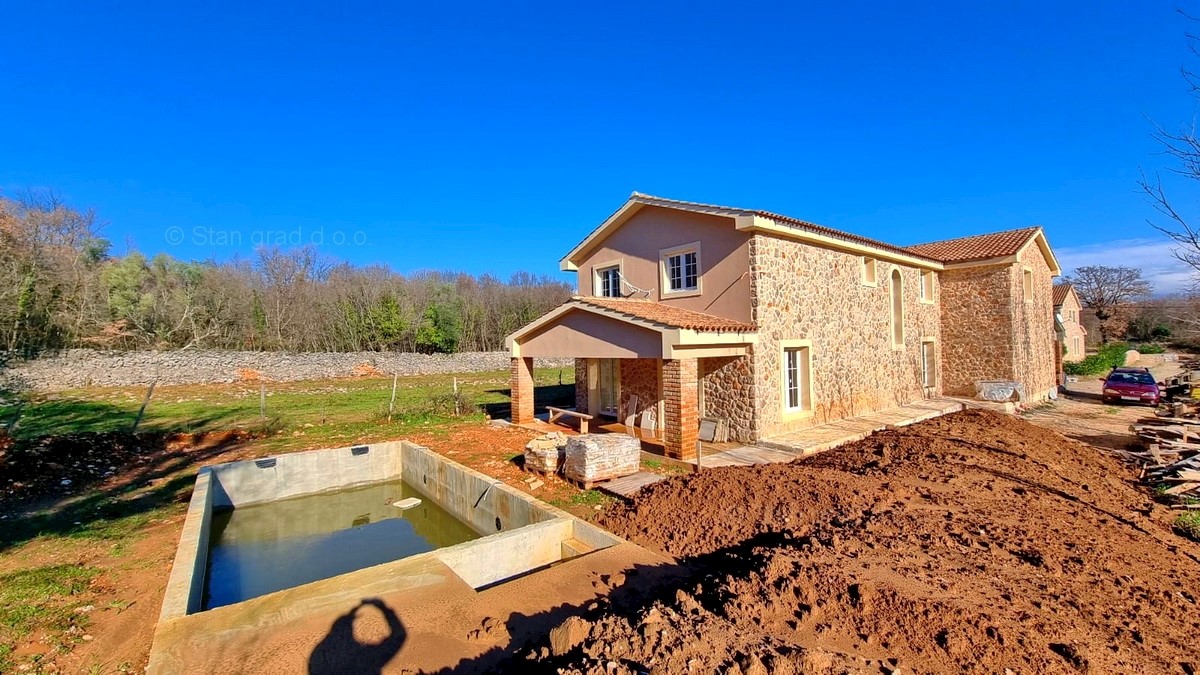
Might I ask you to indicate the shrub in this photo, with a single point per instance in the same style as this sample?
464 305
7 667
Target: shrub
1108 357
1151 348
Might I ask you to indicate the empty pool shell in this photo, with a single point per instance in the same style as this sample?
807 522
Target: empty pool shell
521 534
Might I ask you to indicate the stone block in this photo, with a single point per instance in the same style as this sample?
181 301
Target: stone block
596 457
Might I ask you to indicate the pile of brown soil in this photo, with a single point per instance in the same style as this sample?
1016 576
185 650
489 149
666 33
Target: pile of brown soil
973 542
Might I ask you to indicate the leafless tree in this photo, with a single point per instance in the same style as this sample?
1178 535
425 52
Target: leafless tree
1109 292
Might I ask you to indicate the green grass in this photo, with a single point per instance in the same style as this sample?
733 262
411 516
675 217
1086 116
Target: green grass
1188 523
323 409
37 599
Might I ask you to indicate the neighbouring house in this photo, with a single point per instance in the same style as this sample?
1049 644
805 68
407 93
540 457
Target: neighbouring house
777 324
1067 309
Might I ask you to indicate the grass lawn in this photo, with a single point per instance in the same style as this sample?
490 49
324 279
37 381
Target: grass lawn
50 555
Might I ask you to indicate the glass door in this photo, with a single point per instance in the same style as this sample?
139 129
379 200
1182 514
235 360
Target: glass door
609 383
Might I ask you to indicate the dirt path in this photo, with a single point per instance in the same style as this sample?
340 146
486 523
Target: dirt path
971 543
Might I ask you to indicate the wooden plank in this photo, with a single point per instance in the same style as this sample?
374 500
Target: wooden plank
628 486
1181 488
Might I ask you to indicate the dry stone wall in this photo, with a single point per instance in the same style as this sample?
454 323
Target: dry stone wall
805 292
84 367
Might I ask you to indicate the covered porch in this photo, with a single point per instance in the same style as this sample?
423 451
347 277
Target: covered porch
641 367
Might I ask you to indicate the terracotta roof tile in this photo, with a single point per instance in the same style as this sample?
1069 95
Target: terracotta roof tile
666 315
979 247
1060 293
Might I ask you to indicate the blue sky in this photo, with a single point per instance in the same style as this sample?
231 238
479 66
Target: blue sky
493 137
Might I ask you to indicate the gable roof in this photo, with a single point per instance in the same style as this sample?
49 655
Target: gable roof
753 220
666 315
1061 291
994 246
933 255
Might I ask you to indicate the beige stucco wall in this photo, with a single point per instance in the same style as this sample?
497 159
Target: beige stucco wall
977 327
724 259
1033 325
580 333
804 292
1076 336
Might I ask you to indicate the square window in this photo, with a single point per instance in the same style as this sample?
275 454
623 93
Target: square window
608 282
681 269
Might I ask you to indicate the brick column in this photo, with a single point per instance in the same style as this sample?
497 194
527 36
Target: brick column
522 390
681 425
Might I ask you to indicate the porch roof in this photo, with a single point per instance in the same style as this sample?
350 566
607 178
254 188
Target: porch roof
586 327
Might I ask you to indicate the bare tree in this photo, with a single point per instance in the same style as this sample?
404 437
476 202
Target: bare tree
1109 292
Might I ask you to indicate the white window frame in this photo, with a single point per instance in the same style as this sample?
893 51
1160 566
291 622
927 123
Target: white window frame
897 323
1027 283
928 279
664 277
870 272
597 284
803 351
929 378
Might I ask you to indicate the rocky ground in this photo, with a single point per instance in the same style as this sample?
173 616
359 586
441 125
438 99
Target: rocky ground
971 543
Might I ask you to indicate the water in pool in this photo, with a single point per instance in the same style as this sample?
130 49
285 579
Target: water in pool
260 549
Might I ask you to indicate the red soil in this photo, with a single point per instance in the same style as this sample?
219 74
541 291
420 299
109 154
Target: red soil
974 542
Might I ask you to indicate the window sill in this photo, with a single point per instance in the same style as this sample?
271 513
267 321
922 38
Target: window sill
797 414
681 294
929 302
871 284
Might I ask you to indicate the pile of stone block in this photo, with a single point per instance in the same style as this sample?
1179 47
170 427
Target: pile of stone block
545 453
591 458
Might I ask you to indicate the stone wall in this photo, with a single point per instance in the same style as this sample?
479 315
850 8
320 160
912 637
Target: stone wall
84 367
805 292
977 328
581 385
1076 336
727 390
1033 325
641 377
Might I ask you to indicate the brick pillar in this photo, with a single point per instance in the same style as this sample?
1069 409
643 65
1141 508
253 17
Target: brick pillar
522 390
681 425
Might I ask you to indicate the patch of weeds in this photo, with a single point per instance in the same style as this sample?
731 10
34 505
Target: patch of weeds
38 599
590 498
1188 524
1111 410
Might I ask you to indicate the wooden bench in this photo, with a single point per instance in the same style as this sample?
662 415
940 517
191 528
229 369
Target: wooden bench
556 413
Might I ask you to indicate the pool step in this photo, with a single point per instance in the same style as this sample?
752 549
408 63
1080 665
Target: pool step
573 548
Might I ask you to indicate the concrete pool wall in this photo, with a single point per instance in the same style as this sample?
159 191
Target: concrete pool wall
519 533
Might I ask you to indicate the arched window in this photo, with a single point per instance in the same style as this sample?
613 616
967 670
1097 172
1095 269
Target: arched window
897 293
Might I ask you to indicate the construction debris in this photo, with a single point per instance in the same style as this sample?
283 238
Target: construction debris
1170 459
592 458
544 454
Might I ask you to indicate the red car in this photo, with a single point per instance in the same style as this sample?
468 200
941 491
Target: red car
1135 385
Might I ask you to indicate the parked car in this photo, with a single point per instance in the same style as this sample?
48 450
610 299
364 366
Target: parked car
1135 385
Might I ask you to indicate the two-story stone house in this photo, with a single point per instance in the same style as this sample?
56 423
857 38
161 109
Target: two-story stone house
1067 308
777 324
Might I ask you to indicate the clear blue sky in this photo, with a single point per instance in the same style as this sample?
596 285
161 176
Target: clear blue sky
493 137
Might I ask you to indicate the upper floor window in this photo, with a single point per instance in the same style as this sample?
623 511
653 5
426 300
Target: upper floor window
608 282
868 271
1027 285
681 269
926 286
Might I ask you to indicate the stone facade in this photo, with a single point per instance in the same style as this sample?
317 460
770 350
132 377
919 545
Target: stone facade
992 331
1033 324
74 368
1075 339
804 292
641 378
976 327
581 385
727 390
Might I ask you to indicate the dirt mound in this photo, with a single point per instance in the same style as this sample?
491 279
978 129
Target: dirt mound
973 542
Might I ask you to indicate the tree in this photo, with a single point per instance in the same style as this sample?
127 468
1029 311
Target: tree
1108 292
1183 146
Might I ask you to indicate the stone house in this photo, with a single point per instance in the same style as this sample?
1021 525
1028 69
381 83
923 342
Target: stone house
1067 309
777 324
